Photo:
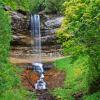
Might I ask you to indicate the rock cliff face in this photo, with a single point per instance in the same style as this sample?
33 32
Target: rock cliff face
54 22
51 23
49 27
20 23
20 29
22 41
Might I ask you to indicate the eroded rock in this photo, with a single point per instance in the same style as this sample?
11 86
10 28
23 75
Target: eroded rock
20 23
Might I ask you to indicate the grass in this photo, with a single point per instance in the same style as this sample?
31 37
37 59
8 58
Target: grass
94 96
76 69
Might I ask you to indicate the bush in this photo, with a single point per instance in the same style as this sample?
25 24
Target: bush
79 32
76 69
53 6
10 87
94 96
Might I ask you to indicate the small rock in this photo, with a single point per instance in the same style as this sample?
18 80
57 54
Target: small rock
78 96
7 8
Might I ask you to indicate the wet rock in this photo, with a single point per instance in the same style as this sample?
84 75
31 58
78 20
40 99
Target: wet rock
48 65
54 22
7 8
21 40
20 23
78 96
49 26
49 39
22 35
22 12
45 95
15 37
53 78
20 28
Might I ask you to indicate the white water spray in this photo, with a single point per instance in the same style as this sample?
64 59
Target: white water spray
38 66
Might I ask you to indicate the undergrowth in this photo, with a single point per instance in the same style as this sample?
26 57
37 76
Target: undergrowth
76 81
10 83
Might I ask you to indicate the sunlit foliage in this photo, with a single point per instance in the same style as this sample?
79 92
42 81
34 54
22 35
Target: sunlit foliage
80 34
53 6
10 84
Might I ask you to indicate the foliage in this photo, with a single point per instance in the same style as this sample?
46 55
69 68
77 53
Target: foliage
9 3
36 5
79 34
94 96
24 5
50 6
76 69
16 4
53 6
10 88
5 35
62 94
10 84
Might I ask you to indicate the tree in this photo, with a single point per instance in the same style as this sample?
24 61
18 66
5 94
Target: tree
79 33
10 87
53 6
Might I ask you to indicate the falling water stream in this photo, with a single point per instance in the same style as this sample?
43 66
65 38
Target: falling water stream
36 35
37 64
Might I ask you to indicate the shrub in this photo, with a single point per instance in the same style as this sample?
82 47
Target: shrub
79 34
53 6
10 87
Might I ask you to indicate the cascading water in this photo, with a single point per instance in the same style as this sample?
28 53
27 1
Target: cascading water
35 28
37 65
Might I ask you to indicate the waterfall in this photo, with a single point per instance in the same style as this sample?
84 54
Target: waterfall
36 35
37 65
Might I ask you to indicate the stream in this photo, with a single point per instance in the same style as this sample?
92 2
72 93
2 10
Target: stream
37 65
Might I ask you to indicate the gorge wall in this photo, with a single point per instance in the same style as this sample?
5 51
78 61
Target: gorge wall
22 41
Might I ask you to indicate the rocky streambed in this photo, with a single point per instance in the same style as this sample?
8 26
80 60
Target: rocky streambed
53 78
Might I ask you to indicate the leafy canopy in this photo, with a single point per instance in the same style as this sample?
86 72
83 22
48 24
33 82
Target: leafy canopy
80 33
